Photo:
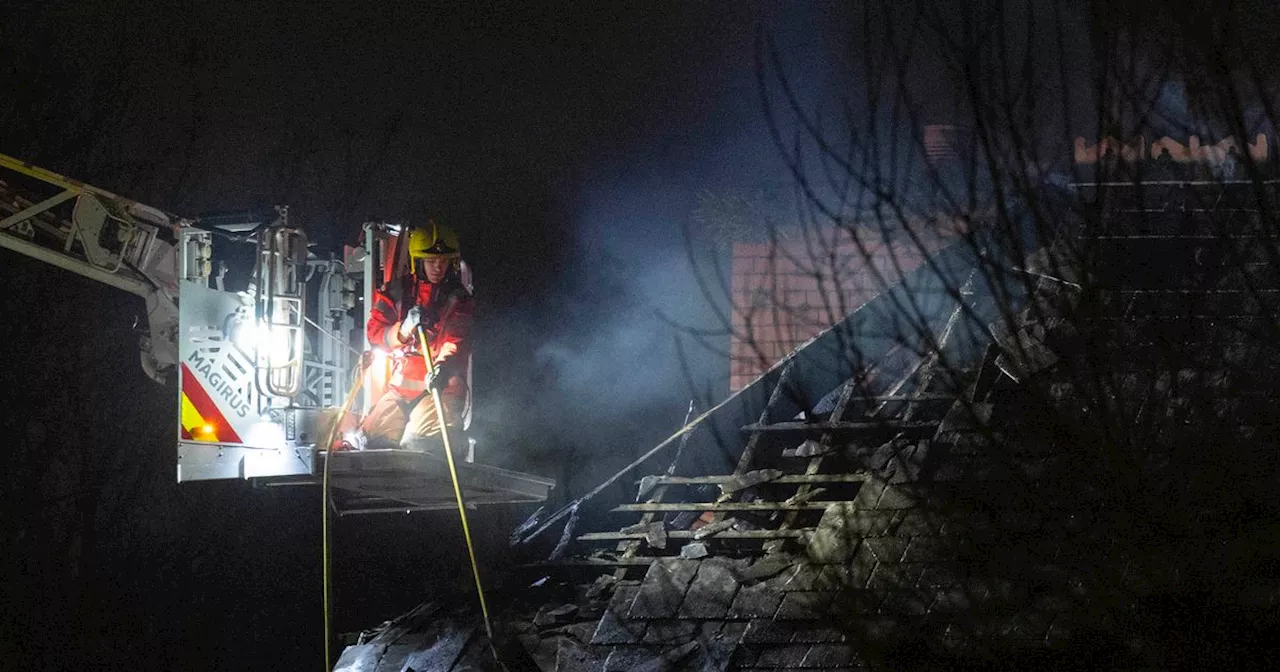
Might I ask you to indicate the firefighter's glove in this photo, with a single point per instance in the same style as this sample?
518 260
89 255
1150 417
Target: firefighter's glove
428 318
409 325
436 379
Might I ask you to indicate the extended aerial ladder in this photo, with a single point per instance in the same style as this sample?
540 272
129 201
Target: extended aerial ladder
113 240
259 371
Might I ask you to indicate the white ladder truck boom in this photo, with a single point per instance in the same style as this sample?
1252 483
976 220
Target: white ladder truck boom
260 372
104 237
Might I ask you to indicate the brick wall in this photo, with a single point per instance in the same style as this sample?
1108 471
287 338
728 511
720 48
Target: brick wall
787 291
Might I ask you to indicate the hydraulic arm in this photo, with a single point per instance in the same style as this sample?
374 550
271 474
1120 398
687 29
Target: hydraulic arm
108 238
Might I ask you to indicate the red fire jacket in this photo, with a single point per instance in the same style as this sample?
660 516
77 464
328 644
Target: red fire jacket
448 311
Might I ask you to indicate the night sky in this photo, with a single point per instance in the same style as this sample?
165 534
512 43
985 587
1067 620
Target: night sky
566 143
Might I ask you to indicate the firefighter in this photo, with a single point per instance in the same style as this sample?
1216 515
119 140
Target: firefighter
433 296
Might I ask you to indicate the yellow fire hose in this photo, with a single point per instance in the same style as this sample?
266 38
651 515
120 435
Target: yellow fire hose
457 487
457 492
324 516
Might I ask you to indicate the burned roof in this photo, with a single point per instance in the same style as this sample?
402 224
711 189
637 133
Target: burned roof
1088 477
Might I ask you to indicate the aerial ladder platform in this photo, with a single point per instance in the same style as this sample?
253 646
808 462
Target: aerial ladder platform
260 372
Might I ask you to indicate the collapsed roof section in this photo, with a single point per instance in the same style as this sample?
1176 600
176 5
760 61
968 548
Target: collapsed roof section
1040 495
818 438
1089 481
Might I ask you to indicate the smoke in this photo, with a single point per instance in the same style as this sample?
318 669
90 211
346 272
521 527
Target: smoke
613 365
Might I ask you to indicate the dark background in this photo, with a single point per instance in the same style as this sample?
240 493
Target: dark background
569 144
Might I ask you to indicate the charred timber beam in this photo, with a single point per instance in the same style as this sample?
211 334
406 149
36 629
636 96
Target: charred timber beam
689 534
841 427
720 506
639 561
904 397
788 479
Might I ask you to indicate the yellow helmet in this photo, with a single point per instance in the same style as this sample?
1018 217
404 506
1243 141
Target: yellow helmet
432 241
